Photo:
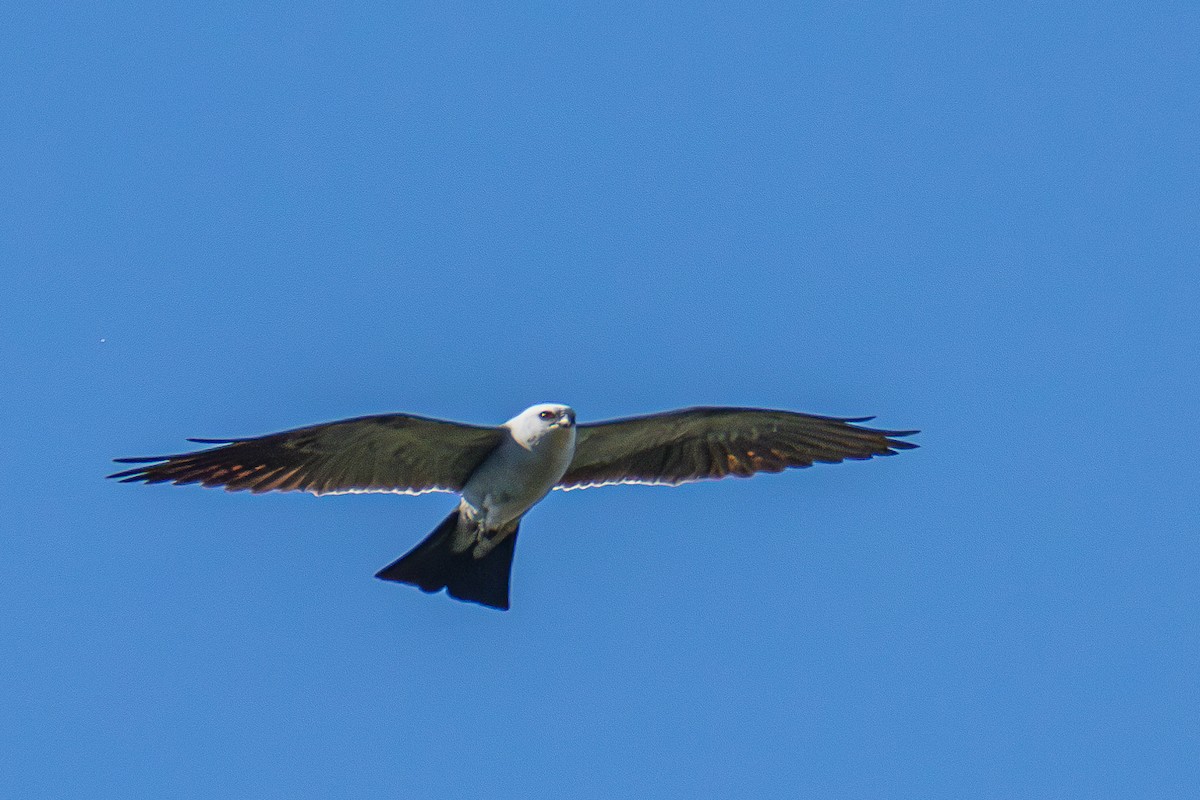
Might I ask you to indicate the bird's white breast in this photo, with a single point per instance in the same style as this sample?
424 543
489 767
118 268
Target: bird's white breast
517 475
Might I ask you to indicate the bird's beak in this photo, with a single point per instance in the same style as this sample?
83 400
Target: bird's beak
565 421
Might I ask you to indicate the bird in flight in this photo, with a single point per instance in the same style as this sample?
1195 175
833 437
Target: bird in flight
500 472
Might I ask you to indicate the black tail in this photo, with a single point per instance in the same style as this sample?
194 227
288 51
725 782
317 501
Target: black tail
433 566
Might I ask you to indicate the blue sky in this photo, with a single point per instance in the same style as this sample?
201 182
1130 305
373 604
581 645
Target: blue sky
976 219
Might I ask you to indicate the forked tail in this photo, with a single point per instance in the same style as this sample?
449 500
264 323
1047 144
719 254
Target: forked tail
433 565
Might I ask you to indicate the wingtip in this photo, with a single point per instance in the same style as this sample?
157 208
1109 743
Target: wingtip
137 473
894 438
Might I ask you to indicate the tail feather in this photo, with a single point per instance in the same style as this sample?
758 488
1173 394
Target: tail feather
432 566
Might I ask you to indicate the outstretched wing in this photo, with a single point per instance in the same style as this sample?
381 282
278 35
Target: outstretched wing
696 444
385 453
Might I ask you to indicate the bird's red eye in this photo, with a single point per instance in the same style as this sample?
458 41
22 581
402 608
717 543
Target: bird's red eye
547 415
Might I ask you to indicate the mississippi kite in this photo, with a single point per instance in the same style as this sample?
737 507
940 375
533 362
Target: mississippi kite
501 472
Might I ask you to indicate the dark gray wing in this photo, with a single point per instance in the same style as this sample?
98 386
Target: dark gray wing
385 453
706 443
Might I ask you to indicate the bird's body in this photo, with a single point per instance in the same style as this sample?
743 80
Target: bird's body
524 467
501 472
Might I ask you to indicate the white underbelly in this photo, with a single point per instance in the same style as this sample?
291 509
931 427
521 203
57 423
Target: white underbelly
514 478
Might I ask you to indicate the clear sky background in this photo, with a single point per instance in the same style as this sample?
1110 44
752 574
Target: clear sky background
976 219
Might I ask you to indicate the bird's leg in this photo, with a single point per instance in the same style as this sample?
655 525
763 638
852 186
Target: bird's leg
489 539
470 527
473 533
484 545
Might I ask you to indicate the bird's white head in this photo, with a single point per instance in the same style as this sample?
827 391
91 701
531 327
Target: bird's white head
535 422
